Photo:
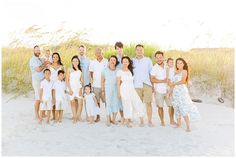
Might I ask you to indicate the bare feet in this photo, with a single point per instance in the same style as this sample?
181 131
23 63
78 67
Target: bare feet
177 126
188 130
141 124
129 125
97 119
150 124
108 124
173 123
162 124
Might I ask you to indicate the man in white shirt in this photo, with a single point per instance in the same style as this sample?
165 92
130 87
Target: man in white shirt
95 68
159 78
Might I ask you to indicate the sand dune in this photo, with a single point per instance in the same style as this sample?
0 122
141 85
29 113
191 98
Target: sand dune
21 135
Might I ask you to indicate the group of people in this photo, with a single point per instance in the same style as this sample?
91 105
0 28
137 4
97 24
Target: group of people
125 85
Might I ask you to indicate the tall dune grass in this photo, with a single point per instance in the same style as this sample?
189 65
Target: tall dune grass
210 68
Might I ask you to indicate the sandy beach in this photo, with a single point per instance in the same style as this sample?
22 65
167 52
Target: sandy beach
23 136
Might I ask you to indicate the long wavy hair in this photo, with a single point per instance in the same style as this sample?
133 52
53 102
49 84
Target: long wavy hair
76 57
185 67
59 57
130 66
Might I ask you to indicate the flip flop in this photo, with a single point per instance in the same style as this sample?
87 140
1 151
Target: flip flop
197 100
220 100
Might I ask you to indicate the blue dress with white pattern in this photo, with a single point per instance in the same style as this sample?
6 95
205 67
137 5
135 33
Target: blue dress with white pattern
182 102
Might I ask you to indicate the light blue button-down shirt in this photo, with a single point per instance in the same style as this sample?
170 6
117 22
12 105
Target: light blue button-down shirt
142 70
84 63
119 66
34 63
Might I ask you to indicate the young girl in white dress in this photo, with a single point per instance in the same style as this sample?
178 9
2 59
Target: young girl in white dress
74 80
91 104
182 102
45 95
126 92
59 95
54 68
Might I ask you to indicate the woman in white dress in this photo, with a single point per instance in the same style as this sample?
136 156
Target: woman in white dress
126 92
182 102
54 68
74 80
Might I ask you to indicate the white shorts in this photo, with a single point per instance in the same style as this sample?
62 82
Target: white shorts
36 87
46 105
60 105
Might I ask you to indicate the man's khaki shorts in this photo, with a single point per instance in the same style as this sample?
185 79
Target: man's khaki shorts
145 93
160 98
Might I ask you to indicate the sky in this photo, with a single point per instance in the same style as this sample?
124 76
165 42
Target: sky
170 24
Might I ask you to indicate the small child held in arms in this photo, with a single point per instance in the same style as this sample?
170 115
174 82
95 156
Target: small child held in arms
91 104
45 95
170 72
47 56
59 96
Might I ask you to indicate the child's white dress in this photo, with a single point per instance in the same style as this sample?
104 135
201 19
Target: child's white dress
47 95
60 95
75 84
91 107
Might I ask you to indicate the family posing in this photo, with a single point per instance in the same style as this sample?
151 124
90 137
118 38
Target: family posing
124 85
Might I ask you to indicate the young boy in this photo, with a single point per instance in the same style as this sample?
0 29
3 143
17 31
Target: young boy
45 95
59 95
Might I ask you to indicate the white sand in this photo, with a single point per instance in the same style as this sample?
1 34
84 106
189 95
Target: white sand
21 135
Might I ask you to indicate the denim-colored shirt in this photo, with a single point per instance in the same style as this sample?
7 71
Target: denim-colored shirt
84 62
34 63
142 70
119 66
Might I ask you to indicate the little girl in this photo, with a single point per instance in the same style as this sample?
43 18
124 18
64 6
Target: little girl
91 104
170 72
59 95
45 95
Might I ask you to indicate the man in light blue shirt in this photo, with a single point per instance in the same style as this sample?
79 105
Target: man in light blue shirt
37 66
84 62
142 79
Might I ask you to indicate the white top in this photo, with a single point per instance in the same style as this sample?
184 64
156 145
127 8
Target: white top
44 58
47 89
97 67
75 81
126 77
160 74
59 87
171 72
54 73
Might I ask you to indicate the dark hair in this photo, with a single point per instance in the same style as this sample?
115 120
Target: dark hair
83 46
61 72
76 57
185 66
46 70
113 56
88 85
59 61
169 59
159 52
130 66
119 44
36 46
139 45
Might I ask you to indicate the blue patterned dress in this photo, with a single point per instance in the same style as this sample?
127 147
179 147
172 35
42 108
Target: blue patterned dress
182 102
